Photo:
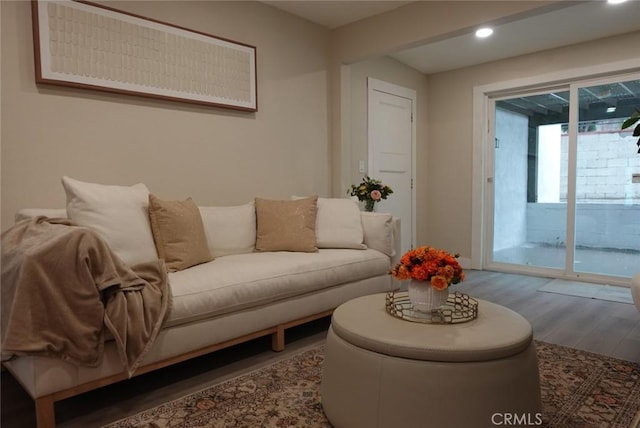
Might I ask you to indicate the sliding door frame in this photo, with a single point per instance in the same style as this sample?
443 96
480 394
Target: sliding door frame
482 202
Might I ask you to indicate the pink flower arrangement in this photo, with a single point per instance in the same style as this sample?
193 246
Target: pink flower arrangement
370 191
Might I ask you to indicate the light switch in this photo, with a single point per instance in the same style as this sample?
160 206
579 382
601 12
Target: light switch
361 167
635 178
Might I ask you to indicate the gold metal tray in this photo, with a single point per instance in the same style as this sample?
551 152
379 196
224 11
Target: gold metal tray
458 309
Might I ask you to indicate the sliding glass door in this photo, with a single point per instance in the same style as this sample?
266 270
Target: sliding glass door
566 181
529 217
607 177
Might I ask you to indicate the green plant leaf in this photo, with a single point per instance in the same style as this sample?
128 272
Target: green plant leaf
631 120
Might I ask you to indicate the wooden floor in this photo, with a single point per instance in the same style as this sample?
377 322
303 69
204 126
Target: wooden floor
598 326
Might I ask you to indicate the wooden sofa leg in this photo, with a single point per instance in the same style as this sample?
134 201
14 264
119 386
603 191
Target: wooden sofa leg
277 339
45 412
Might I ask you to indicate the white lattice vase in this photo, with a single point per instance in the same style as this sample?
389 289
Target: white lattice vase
424 297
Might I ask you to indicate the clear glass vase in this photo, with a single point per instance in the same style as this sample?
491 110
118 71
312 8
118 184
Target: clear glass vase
369 204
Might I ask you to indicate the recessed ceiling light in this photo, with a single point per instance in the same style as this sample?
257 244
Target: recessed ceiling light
484 32
616 1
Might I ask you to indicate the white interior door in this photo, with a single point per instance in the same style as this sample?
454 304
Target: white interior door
391 132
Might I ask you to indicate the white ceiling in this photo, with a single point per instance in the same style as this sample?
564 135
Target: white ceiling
565 26
333 14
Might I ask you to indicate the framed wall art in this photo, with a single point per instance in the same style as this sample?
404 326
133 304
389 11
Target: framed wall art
84 45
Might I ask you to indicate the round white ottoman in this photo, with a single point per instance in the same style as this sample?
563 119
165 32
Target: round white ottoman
380 371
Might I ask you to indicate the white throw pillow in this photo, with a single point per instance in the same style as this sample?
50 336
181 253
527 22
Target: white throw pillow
338 224
230 230
378 232
120 214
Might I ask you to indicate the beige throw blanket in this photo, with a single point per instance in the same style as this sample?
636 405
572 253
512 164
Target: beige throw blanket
62 285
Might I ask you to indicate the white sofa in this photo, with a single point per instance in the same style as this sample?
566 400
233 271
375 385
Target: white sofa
239 295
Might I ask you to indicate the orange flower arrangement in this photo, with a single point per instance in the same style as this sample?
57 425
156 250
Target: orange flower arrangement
438 267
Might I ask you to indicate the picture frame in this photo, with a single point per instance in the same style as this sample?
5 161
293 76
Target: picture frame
84 45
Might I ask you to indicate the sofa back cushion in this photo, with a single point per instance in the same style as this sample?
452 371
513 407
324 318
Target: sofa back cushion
379 232
286 225
338 224
230 230
119 214
178 233
29 213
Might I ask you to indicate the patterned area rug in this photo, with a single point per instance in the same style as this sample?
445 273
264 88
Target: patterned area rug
579 390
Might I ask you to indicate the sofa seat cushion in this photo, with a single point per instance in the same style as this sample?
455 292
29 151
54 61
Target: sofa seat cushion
240 281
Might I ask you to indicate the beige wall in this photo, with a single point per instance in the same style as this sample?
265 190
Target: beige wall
380 35
217 156
391 71
450 128
445 163
223 157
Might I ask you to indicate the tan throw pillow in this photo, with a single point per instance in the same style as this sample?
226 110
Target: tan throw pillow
286 225
178 233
